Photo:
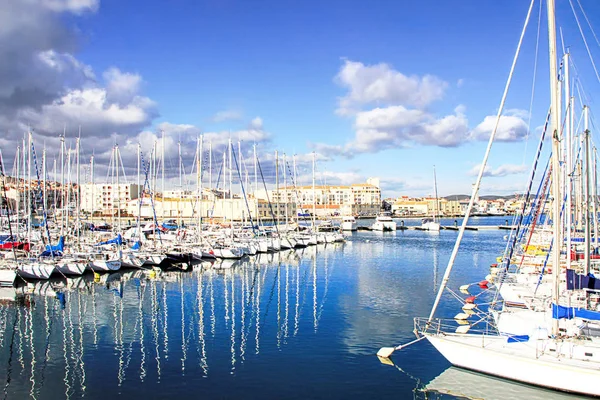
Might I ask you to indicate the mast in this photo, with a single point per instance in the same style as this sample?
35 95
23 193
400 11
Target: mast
568 160
93 185
277 188
162 152
44 177
118 191
437 203
285 204
200 190
586 190
62 182
78 193
595 200
314 192
180 180
18 165
29 211
210 166
139 192
554 128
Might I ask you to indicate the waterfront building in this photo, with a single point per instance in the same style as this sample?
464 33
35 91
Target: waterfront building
104 198
362 199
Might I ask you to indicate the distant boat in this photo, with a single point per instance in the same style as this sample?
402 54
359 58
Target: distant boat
384 222
348 223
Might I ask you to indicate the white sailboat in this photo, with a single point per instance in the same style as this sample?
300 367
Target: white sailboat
555 359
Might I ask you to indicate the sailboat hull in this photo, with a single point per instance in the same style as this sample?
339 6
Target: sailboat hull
529 362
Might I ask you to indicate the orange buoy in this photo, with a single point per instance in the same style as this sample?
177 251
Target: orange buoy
483 284
470 299
494 265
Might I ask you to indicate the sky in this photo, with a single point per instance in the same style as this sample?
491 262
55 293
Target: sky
385 89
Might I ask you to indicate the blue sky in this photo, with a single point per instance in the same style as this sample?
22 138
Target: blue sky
385 89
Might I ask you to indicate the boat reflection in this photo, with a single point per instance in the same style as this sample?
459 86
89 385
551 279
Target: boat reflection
131 326
472 385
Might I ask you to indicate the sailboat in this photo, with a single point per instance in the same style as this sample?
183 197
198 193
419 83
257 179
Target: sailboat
431 224
555 359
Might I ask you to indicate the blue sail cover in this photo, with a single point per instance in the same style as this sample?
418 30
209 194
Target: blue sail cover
560 312
55 250
118 240
579 281
137 245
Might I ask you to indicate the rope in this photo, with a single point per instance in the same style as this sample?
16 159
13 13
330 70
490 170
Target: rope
584 40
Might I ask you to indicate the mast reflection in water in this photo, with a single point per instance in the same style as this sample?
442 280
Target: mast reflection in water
138 331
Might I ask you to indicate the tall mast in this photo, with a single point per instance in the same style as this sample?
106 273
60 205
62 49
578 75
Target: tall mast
118 189
595 200
18 166
313 190
162 151
62 182
180 180
586 189
568 161
29 213
277 188
285 204
139 191
554 128
199 167
78 192
231 182
210 166
93 185
44 178
437 204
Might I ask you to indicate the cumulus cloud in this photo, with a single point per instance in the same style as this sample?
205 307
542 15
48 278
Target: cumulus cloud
396 127
502 170
381 84
511 128
390 110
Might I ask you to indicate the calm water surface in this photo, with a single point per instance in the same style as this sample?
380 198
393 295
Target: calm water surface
292 325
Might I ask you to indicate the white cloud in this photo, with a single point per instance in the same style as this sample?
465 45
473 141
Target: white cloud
121 87
368 84
91 108
502 170
511 128
73 6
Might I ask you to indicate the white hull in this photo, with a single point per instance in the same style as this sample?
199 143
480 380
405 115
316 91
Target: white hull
105 265
348 226
155 259
573 367
228 252
431 226
7 276
35 270
71 267
132 261
384 226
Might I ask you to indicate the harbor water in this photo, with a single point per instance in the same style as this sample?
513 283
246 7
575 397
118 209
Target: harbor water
296 324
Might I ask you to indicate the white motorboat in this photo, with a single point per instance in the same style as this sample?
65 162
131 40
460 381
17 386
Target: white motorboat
384 222
348 223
